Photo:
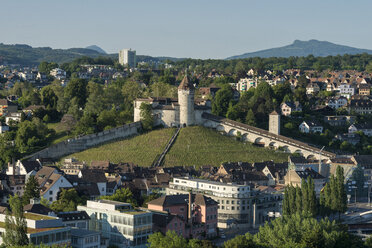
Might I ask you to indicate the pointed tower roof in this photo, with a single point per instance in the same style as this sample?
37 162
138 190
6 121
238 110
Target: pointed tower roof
274 113
186 84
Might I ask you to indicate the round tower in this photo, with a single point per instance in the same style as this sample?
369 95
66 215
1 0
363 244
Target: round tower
186 102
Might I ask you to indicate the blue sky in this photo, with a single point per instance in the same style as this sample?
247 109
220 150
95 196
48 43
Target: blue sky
192 28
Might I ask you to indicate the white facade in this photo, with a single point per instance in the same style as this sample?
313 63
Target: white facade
367 131
186 102
128 57
337 102
245 84
119 222
58 73
52 193
346 90
4 128
306 127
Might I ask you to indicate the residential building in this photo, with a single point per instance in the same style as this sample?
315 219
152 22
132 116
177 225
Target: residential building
43 229
245 84
14 117
346 90
339 120
128 57
312 88
119 222
237 204
197 212
3 128
336 102
364 90
288 107
365 128
7 107
51 181
360 106
208 91
294 177
310 127
25 168
58 73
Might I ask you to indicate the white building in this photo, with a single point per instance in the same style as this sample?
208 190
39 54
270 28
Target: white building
3 128
365 128
346 90
237 204
128 57
58 73
81 238
169 112
245 84
43 229
337 102
119 222
310 127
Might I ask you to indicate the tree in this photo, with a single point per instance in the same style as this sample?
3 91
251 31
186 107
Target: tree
122 195
221 101
305 196
341 204
146 116
85 125
67 201
31 190
77 88
250 119
170 240
15 224
130 91
240 241
311 197
298 200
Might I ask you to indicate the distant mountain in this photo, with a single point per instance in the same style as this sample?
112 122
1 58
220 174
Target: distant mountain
96 48
30 56
304 48
27 55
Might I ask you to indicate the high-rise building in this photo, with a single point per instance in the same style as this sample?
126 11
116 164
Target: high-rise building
128 57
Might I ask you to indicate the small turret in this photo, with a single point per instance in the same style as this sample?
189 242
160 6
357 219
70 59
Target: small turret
274 123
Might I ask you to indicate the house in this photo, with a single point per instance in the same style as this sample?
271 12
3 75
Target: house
35 207
336 102
95 176
365 128
208 91
275 173
365 161
310 127
294 177
3 128
197 211
351 138
58 73
119 222
16 184
339 120
288 107
165 221
7 107
51 181
347 90
360 106
364 89
31 109
25 168
14 117
312 88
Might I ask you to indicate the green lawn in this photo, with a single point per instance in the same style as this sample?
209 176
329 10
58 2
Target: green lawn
194 146
61 133
203 146
141 149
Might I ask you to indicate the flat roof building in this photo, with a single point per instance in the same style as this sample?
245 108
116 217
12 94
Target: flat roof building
128 57
119 222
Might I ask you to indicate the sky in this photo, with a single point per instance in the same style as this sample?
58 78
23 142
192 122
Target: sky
190 28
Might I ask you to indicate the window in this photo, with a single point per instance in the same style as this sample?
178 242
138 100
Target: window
227 202
51 192
50 199
232 208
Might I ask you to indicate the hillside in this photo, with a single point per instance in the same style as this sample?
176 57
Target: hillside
304 48
194 146
31 56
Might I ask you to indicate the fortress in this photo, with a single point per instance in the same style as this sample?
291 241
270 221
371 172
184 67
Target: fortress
186 111
173 112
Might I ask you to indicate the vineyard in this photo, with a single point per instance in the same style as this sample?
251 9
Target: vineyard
194 146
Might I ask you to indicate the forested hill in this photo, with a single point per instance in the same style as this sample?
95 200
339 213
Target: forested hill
27 56
304 48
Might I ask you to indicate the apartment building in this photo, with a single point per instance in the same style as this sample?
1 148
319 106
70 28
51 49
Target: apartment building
237 204
119 222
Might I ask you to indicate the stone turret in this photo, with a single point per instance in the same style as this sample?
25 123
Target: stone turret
274 123
186 102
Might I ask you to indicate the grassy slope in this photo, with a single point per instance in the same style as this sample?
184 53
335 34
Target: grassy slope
194 146
61 133
203 146
140 150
